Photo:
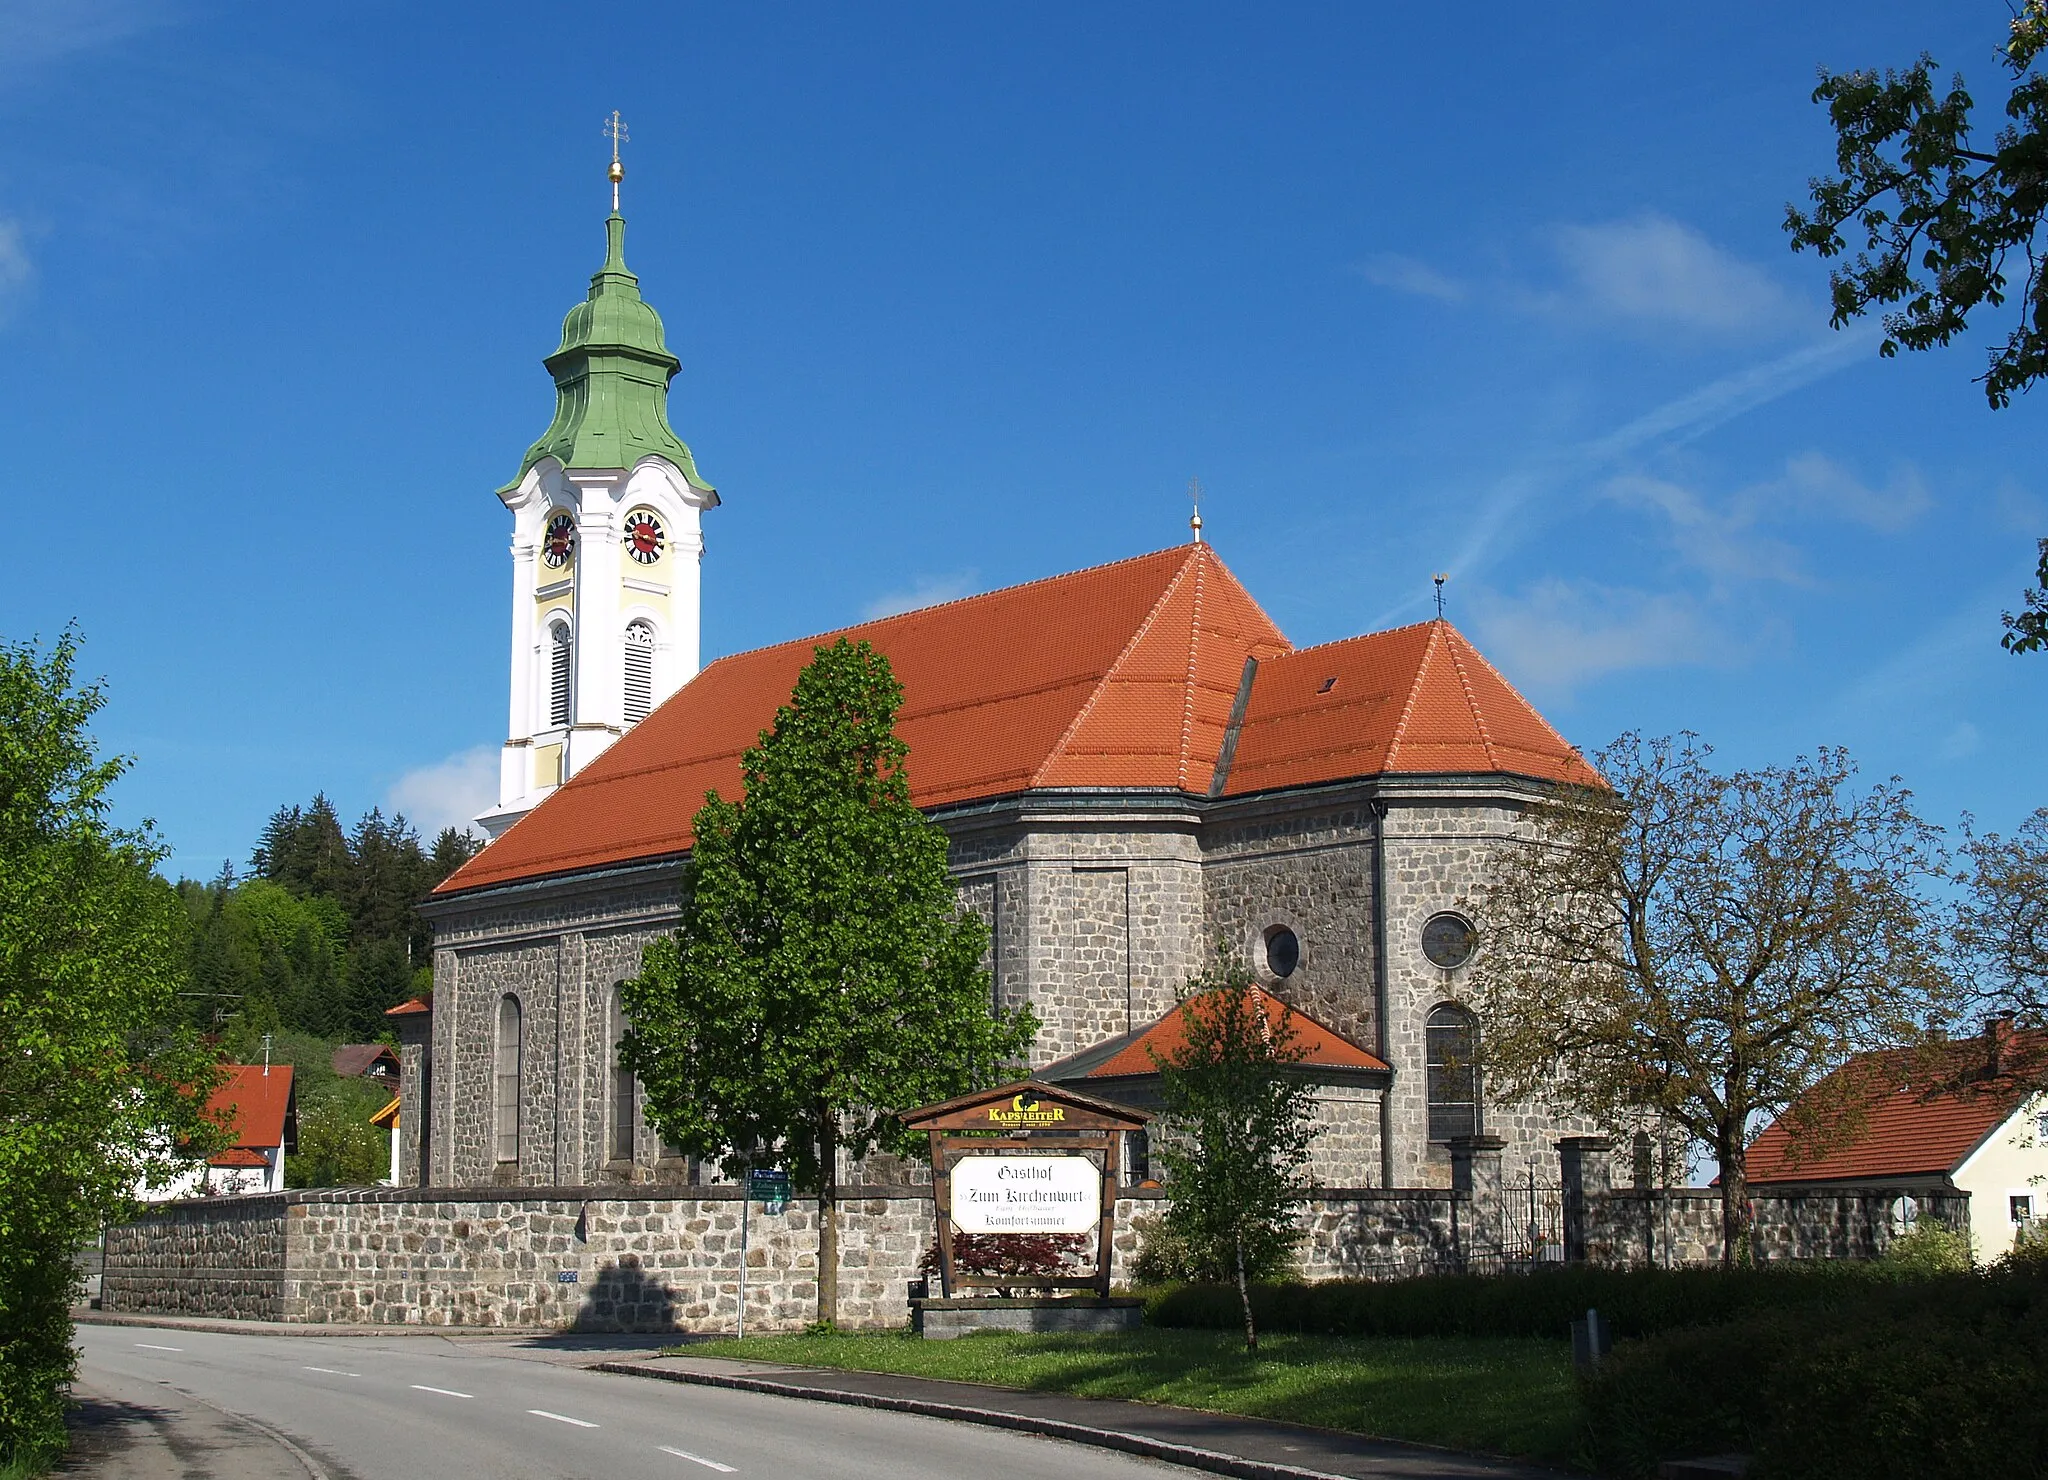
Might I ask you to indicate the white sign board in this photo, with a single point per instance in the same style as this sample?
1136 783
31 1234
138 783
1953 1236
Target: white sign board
1026 1194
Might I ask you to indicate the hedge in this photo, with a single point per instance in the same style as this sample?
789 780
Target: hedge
1937 1378
1633 1302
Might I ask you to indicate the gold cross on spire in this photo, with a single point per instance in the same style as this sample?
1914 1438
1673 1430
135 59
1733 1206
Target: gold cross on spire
615 130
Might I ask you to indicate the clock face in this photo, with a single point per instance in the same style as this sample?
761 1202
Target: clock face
644 537
560 540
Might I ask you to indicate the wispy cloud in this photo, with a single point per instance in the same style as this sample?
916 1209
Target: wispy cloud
924 591
1559 634
1655 271
35 33
1817 484
1410 275
1670 425
449 793
1719 539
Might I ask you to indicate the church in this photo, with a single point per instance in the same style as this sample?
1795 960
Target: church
1132 762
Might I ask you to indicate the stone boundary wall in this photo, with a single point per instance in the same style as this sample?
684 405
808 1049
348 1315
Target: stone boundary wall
217 1256
1682 1225
668 1258
658 1260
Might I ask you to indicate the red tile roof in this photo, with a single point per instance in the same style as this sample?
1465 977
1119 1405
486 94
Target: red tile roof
1416 699
416 1004
1320 1047
1123 675
251 1105
237 1157
1925 1127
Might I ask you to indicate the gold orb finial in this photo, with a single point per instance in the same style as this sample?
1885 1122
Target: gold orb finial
1195 494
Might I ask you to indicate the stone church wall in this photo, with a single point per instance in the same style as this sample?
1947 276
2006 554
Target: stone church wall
1307 866
1099 909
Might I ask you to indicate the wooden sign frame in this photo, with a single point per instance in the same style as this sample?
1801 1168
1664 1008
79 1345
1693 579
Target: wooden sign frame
1021 1117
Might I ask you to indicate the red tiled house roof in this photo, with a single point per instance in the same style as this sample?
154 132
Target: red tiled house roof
254 1107
1124 675
1131 1056
354 1060
1927 1127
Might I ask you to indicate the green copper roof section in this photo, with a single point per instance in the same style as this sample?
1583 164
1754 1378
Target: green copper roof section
611 378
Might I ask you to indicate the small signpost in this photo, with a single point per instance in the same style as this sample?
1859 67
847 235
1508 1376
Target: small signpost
1025 1158
771 1188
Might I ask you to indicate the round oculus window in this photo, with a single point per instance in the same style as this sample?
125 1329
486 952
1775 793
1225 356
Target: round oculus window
1283 951
1448 941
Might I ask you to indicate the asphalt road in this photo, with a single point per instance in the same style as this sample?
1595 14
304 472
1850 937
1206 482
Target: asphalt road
209 1406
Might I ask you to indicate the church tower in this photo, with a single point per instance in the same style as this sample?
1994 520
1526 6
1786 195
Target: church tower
606 544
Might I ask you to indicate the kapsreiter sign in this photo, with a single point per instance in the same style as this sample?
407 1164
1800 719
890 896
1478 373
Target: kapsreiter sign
1026 1194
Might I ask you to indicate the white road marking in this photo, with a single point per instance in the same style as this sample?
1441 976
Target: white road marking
334 1372
697 1459
444 1392
581 1423
152 1346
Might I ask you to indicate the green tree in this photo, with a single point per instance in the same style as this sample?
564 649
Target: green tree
100 1082
1944 226
1704 948
823 977
1237 1134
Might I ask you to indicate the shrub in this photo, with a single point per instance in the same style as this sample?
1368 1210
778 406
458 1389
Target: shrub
1026 1258
1930 1246
1166 1258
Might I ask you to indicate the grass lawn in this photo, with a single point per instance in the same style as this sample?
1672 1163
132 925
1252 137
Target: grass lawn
1501 1396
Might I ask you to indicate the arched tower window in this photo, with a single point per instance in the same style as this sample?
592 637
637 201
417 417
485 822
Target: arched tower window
639 671
560 665
625 1118
1452 1036
506 1080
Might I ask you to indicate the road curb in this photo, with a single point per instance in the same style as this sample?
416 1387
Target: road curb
252 1328
1214 1461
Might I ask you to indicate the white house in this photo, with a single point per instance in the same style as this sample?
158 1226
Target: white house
1973 1122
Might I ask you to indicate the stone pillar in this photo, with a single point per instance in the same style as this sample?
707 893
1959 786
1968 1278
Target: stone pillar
1584 1172
1476 1194
415 1063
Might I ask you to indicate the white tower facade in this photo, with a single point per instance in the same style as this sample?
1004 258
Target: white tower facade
607 547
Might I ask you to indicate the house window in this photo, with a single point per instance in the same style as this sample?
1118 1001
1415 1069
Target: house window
639 671
2022 1206
625 1106
560 652
1452 1040
507 1078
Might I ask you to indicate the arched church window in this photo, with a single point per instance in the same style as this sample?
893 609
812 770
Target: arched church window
625 1107
560 651
506 1080
639 671
1452 1041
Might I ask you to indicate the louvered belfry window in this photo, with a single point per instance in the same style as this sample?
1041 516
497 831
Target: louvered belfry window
507 1078
639 672
560 652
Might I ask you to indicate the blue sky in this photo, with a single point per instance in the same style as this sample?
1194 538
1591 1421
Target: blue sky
964 296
